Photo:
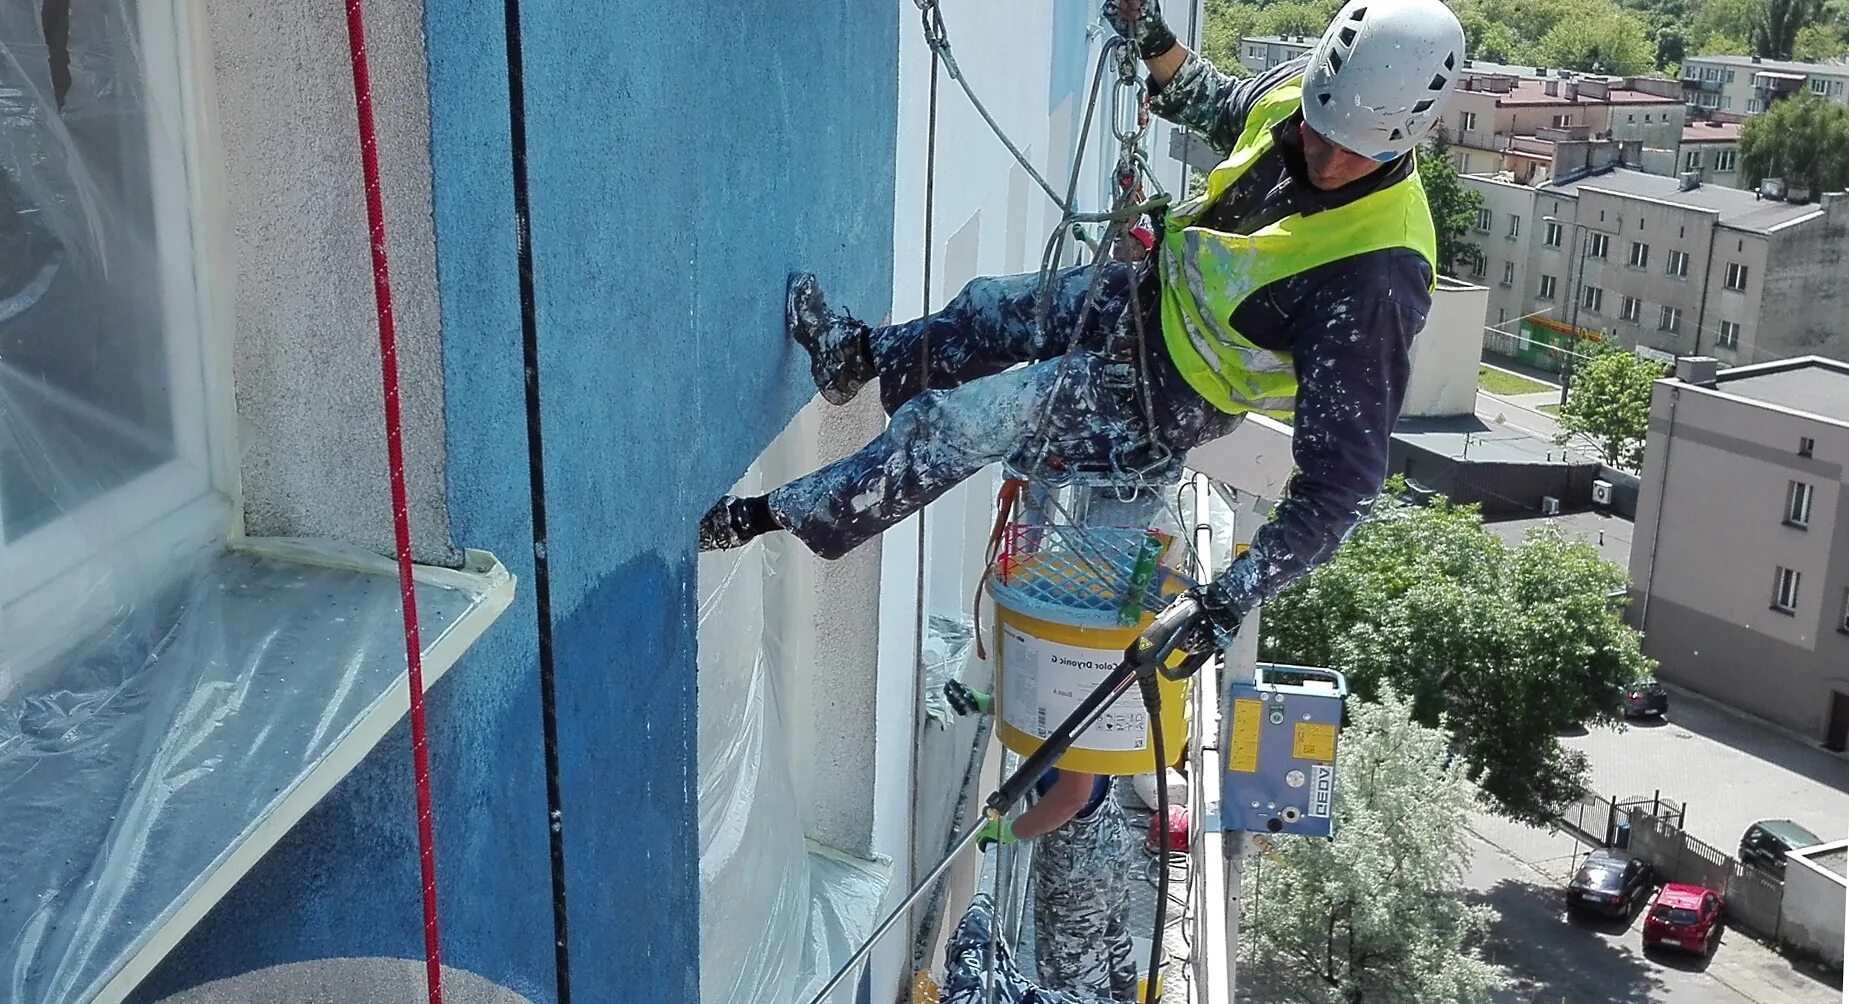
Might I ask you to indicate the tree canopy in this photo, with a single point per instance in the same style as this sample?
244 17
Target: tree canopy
1803 139
1375 915
1454 206
1506 646
1609 402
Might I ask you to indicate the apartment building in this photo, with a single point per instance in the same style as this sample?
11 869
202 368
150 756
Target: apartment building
1740 573
1711 148
1531 126
1262 52
1666 264
1748 84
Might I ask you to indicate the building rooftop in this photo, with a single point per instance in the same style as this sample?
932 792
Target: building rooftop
1838 67
1808 383
1307 41
1711 132
1533 91
1742 210
1610 534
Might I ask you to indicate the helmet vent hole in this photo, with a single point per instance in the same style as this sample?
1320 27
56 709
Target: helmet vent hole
1335 61
1422 105
1359 13
1397 135
1348 35
1438 82
1324 98
1451 61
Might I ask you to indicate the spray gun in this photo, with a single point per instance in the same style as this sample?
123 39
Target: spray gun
1148 655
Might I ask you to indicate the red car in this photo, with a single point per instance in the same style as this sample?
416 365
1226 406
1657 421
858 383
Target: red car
1687 917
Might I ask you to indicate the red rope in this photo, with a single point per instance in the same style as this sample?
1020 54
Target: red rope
401 516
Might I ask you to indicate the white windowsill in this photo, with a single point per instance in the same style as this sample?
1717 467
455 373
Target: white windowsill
226 736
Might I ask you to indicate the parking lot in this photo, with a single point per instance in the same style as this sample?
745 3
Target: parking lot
1730 772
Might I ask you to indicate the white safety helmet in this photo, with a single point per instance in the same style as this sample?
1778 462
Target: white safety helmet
1378 80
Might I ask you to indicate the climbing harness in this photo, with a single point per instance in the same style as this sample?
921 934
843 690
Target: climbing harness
401 520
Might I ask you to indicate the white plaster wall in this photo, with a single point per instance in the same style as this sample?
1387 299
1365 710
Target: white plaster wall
1811 914
1445 355
990 218
307 358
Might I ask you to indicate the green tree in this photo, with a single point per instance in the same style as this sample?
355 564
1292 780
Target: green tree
1374 915
1725 22
1223 24
1818 43
1609 403
1606 41
1506 646
1803 139
1671 47
1776 29
1454 205
1488 39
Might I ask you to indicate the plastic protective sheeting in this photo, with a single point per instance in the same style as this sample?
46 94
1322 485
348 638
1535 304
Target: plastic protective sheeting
190 734
168 705
777 914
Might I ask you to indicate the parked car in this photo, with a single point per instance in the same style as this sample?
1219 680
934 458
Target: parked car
1766 843
1612 883
1645 698
1684 917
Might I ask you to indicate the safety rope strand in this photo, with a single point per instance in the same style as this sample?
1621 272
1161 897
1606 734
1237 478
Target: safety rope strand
401 518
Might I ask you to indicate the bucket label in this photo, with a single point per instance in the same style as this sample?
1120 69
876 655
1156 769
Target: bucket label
1044 681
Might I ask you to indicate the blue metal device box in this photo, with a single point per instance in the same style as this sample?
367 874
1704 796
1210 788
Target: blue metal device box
1278 741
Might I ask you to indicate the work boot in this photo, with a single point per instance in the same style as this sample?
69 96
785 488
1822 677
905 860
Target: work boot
839 359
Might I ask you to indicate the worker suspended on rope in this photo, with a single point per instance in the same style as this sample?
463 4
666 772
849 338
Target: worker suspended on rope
1080 874
1292 285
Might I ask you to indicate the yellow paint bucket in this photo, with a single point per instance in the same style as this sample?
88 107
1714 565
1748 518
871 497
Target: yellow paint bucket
1046 669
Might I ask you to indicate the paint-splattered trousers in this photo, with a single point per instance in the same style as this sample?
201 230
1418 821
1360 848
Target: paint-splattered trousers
966 966
1081 882
1079 404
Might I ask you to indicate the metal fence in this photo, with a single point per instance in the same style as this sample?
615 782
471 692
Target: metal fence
1753 897
1592 820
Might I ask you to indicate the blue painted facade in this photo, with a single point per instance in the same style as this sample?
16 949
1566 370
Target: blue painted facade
683 159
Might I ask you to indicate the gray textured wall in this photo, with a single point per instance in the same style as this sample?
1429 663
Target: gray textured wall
307 353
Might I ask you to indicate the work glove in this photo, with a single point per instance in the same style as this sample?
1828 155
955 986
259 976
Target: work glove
995 831
1148 33
1216 623
966 700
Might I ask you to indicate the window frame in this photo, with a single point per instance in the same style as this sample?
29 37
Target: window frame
1676 265
1547 288
1631 309
1640 255
1515 226
1785 600
1553 235
1598 245
1670 320
1508 273
1486 219
1726 161
180 504
1736 278
1728 337
1799 496
1592 298
1466 121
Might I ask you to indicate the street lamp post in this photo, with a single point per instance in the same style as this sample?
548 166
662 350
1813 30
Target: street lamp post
1573 284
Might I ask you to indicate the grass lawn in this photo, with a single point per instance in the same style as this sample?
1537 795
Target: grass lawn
1503 382
1551 409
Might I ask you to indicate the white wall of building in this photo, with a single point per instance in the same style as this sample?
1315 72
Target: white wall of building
1446 353
1811 914
1031 65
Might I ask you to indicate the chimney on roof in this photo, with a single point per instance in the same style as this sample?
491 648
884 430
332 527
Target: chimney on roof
1698 370
1552 87
1688 181
1572 90
1755 60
